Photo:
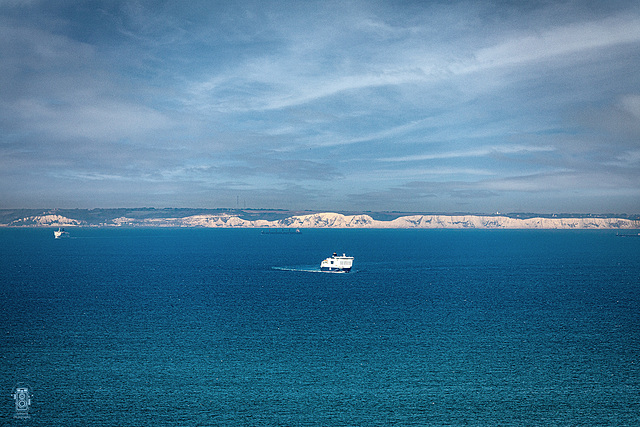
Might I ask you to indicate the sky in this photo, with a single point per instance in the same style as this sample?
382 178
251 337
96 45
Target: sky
427 106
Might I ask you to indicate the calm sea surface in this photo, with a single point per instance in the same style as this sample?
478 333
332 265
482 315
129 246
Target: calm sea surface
185 327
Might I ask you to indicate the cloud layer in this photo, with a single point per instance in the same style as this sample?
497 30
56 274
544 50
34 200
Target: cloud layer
415 106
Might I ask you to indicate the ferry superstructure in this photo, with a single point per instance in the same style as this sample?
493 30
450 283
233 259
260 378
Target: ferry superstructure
337 263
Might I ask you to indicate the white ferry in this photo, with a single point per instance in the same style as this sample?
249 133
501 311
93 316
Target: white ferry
60 234
337 263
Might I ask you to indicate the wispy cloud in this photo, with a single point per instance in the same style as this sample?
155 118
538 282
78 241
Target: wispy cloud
475 152
558 43
410 63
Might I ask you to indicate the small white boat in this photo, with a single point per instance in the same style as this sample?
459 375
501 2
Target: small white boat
60 234
337 263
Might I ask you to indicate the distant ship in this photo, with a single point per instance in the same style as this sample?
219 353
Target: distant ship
337 263
60 234
282 231
627 235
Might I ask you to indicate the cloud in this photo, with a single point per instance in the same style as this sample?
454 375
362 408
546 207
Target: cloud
266 164
631 104
558 42
377 100
55 86
98 120
310 80
475 152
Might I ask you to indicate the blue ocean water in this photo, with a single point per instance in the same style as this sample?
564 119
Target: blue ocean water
185 327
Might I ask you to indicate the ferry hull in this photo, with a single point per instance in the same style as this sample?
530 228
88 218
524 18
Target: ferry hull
335 269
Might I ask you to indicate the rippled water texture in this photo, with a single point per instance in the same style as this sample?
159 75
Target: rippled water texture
225 327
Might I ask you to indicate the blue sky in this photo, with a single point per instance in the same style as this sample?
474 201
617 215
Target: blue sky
441 106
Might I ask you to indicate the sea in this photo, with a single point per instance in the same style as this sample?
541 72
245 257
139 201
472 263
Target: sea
232 327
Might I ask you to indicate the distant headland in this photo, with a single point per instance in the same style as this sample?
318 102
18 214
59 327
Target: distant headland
274 218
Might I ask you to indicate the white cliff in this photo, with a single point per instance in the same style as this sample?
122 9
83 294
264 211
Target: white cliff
45 221
336 220
329 220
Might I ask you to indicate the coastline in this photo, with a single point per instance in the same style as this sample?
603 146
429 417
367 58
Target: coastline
334 220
